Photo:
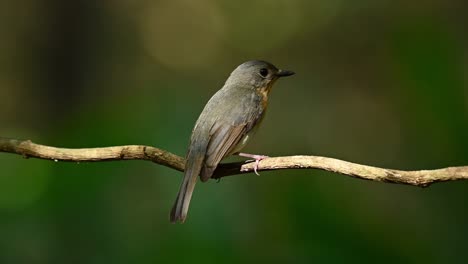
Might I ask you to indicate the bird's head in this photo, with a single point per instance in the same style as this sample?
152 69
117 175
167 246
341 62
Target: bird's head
256 74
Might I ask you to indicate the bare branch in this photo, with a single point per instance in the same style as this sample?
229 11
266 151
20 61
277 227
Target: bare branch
421 178
28 149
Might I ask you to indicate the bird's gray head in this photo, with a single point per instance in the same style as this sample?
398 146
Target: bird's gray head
256 74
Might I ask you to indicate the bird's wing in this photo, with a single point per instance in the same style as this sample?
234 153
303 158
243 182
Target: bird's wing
224 138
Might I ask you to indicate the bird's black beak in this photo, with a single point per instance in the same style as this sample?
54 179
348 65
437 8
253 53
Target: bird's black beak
284 73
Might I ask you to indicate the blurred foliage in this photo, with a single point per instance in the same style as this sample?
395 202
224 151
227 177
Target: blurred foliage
378 82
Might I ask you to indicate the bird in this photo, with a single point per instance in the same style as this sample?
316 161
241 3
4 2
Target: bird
225 125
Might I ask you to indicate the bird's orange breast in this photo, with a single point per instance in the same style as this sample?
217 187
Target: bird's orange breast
263 93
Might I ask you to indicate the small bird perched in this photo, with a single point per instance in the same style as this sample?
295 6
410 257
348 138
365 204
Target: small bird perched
225 125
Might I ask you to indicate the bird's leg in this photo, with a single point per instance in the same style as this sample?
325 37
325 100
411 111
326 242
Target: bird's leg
256 158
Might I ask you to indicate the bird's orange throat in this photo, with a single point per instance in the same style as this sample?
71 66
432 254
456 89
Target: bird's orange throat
264 92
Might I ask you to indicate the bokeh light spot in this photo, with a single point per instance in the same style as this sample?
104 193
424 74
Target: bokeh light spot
183 34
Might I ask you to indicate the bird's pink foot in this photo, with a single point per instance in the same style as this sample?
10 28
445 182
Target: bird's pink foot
256 158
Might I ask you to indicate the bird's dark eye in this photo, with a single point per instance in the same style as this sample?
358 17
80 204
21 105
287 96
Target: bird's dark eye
263 72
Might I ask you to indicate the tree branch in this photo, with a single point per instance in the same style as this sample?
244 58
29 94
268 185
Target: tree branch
422 178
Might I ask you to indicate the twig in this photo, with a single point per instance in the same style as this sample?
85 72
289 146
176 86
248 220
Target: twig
421 178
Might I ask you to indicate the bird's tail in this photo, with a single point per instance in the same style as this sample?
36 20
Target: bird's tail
181 205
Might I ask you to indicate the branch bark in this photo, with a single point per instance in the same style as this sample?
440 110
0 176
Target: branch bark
421 178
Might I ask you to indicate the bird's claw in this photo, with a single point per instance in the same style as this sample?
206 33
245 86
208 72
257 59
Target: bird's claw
256 167
256 158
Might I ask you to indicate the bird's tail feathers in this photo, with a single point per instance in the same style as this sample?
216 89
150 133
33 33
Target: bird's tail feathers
181 205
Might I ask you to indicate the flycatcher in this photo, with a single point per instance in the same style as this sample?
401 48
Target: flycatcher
225 125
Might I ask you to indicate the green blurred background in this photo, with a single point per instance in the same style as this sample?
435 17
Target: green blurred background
382 83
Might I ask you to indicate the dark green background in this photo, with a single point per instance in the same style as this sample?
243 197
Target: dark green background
382 83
